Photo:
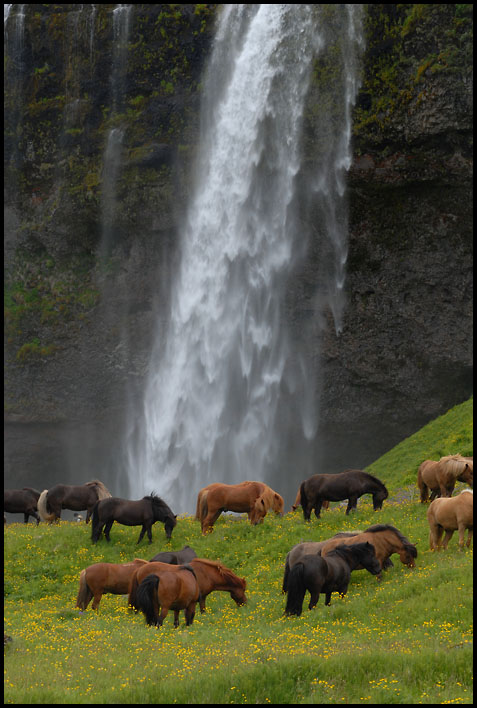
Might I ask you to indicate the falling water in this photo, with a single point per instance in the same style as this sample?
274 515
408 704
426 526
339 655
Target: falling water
227 388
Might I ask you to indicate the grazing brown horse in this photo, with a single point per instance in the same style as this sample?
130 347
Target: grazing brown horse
331 574
175 557
74 497
22 501
385 538
142 512
157 594
100 578
350 484
211 575
449 515
254 498
441 477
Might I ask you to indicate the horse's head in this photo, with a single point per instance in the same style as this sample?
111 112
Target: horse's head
238 593
368 558
169 524
467 475
278 504
407 555
379 497
258 511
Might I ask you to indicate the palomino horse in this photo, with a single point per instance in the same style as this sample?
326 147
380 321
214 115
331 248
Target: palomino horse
385 538
449 515
157 594
22 501
74 497
254 498
211 575
440 477
350 484
143 512
331 574
105 577
176 557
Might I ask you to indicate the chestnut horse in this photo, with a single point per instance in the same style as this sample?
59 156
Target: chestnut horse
211 575
350 484
75 497
440 477
105 577
22 501
254 498
385 538
331 574
449 515
157 594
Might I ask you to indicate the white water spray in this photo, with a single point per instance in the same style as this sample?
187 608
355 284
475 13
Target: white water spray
228 392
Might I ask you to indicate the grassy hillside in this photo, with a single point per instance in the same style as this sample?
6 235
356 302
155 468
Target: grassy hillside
407 639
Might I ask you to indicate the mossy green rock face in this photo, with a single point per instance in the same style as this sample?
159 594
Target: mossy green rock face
78 327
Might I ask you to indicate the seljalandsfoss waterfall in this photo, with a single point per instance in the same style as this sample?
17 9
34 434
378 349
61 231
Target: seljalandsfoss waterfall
231 393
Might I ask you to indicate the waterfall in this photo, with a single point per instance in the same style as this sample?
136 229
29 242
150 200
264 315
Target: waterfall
229 395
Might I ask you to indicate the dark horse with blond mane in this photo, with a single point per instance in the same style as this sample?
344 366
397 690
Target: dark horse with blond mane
101 578
22 501
157 594
350 484
385 538
441 477
75 497
211 575
254 498
142 512
449 515
327 575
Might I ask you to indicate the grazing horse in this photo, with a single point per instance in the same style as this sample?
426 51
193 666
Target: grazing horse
385 538
254 498
175 557
145 512
441 477
350 484
22 501
449 515
211 575
74 497
105 577
331 574
157 594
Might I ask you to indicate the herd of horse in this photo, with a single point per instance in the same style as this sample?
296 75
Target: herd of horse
178 580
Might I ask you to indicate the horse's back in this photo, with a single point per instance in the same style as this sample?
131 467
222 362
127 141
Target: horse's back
234 497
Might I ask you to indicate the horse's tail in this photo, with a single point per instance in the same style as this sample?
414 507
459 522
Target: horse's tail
101 490
84 592
95 523
204 509
286 574
133 586
303 497
296 590
423 488
42 506
197 508
146 598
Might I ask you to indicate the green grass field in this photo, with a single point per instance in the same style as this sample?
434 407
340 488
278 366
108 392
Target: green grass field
407 639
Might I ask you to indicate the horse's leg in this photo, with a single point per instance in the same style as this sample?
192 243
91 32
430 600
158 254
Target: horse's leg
36 517
176 618
25 518
469 537
107 529
461 528
162 616
97 599
352 504
209 521
318 505
141 535
447 538
149 533
190 613
434 494
307 510
327 598
89 511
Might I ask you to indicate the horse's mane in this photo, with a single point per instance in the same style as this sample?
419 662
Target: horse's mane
345 549
378 482
226 573
387 527
470 491
456 464
157 501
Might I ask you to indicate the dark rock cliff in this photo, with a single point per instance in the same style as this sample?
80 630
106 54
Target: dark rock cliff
87 266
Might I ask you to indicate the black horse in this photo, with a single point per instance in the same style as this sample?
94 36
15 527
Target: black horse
22 501
329 574
175 557
349 484
76 497
145 512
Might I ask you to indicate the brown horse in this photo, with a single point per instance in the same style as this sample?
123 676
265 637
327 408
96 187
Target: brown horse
385 538
440 477
254 498
211 575
105 577
449 515
22 501
74 497
157 594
